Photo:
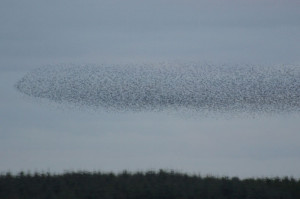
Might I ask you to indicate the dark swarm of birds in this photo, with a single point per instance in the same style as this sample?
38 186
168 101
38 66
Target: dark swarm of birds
200 87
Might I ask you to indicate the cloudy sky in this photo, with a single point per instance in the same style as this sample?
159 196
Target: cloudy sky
41 136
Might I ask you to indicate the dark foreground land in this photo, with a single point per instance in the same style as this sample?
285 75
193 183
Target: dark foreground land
143 185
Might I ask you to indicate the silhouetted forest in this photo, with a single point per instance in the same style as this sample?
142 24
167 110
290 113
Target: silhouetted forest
143 185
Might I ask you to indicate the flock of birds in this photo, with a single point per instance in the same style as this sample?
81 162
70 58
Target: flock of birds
197 87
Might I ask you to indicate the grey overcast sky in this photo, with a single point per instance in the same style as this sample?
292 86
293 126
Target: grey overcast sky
39 32
36 136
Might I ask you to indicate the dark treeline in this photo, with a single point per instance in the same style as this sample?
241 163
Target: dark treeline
143 185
